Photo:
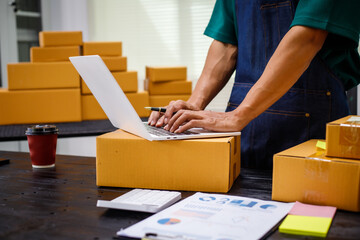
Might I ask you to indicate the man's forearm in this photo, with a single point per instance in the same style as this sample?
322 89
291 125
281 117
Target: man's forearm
292 57
219 66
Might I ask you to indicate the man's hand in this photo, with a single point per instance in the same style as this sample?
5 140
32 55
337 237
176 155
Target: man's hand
219 65
213 121
157 119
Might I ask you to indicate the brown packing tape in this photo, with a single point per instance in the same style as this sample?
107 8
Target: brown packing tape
343 138
317 168
350 138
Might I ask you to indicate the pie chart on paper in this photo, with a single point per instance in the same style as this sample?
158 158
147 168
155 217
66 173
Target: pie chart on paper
168 221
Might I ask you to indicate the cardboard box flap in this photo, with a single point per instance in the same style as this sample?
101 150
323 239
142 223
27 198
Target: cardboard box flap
310 151
120 134
345 120
302 150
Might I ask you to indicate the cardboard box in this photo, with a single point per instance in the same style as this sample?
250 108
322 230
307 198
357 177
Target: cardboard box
139 101
164 100
39 106
303 173
90 108
127 81
53 54
343 138
23 76
168 88
61 38
156 74
115 63
125 160
103 48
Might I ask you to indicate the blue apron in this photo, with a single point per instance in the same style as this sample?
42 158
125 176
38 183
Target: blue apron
302 113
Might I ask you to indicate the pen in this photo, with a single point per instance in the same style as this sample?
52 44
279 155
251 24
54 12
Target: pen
4 161
156 236
156 109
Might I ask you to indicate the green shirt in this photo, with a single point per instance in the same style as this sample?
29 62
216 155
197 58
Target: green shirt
340 18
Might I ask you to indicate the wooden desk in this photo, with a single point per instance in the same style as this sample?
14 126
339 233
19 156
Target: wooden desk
61 203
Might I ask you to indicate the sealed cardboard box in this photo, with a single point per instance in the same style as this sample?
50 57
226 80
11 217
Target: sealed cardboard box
164 100
125 160
303 173
126 80
23 76
39 106
103 48
167 88
139 101
53 54
166 73
343 138
60 38
115 63
90 108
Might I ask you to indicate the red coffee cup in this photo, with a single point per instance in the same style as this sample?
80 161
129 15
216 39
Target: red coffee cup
42 145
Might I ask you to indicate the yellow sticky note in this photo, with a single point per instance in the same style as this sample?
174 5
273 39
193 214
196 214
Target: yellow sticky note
303 225
321 144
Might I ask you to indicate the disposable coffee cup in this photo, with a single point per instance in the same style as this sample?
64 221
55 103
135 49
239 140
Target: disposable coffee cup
42 145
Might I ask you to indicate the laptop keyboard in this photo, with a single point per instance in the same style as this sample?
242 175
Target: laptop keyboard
162 132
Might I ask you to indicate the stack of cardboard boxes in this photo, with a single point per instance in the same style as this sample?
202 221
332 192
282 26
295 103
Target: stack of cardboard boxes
166 84
111 53
47 89
324 174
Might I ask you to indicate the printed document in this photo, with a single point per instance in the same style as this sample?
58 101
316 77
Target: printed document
213 216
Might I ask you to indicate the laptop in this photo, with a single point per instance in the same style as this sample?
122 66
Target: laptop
119 110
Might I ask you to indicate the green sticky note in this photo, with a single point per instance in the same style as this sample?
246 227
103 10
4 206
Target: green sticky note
321 144
303 225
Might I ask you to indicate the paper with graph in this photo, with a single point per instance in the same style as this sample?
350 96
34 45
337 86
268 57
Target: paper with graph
213 216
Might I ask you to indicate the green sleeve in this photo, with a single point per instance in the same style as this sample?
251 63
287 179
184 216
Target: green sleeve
341 19
222 25
335 16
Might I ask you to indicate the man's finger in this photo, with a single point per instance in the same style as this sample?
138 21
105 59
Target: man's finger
160 122
154 116
184 117
191 124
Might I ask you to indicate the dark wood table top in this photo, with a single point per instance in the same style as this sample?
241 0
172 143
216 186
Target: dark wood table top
60 203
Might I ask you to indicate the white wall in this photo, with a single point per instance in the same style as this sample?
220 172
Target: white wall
65 15
158 33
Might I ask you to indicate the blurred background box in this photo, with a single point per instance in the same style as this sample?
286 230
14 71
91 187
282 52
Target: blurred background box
40 106
60 38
